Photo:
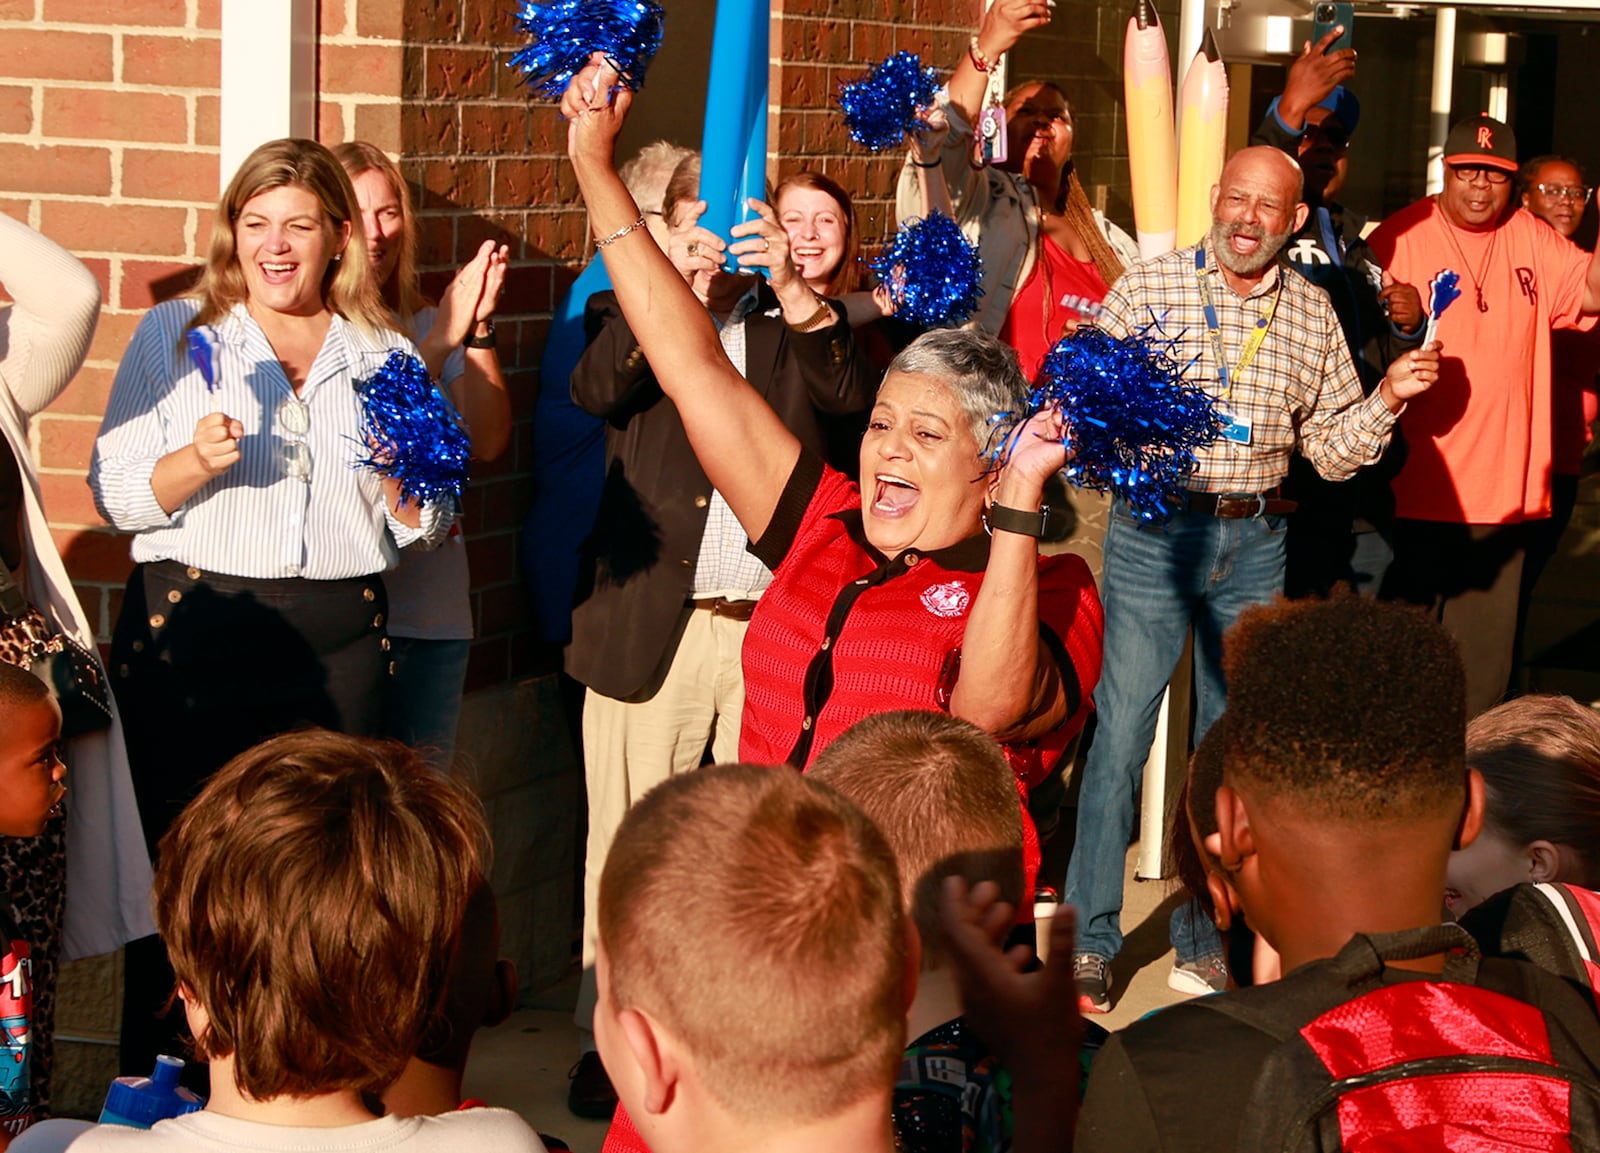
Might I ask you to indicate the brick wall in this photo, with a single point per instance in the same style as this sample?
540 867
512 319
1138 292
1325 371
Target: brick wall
108 144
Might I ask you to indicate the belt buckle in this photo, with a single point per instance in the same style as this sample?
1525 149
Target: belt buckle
1259 498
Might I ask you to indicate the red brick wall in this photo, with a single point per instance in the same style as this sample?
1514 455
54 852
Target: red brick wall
108 144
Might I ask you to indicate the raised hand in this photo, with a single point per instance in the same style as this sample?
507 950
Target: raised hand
1314 74
763 243
1411 375
216 442
1404 303
1006 22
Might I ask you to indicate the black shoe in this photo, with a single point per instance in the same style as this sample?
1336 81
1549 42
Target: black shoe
590 1095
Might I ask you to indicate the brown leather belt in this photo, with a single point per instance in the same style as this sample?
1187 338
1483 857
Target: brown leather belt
1238 505
729 610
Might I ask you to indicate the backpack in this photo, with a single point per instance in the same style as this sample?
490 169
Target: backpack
1553 925
1490 1055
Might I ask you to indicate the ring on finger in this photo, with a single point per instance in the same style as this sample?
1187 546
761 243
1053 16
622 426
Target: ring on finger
766 244
693 248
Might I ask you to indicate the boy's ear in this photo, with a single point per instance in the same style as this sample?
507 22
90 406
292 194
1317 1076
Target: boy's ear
1234 839
1472 813
1224 902
503 998
913 961
653 1052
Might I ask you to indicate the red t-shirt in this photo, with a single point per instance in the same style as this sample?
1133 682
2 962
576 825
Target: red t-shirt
1478 445
1037 316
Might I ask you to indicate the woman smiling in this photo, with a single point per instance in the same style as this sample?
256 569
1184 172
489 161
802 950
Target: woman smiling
887 592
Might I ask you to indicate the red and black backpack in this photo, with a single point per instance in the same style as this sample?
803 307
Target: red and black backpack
1492 1054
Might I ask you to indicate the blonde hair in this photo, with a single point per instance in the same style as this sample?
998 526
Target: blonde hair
347 286
403 291
757 915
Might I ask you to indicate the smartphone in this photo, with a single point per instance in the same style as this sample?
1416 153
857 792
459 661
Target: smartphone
1323 18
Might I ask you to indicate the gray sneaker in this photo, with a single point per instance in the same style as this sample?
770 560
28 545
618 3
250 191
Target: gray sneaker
1093 975
1208 974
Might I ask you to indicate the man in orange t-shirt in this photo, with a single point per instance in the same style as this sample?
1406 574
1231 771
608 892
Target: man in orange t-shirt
1478 444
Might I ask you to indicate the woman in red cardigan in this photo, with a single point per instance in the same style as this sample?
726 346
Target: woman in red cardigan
888 592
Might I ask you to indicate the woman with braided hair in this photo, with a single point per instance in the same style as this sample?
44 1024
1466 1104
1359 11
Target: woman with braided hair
1040 239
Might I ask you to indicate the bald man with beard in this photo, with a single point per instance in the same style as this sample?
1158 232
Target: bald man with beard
1266 343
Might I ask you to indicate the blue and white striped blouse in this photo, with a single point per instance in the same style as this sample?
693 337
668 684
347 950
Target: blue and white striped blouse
258 519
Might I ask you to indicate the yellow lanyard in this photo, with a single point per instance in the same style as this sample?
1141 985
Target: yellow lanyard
1252 343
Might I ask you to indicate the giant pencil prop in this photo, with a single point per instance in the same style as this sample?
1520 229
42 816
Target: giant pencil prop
733 145
1152 157
1202 139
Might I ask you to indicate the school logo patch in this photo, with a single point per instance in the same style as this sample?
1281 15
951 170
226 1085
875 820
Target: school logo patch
947 600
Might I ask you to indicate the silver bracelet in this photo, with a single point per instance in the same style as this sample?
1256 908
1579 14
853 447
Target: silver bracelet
620 233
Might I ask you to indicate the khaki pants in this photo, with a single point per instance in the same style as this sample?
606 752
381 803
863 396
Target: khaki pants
630 747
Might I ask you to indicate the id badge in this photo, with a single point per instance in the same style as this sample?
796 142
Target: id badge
992 135
1234 428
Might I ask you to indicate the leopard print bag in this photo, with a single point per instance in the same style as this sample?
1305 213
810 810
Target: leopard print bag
72 671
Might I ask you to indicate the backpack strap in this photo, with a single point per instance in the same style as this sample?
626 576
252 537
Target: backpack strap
1361 963
1579 910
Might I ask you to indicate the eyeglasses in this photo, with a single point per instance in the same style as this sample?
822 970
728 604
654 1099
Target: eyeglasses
294 417
1575 193
1469 174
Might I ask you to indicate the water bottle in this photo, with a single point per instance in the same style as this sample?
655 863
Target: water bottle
142 1101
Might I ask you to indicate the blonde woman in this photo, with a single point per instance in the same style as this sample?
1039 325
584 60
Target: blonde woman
257 604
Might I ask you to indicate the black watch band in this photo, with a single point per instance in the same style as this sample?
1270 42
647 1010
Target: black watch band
1022 521
485 341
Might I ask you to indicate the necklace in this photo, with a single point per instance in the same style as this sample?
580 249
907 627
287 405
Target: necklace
1477 277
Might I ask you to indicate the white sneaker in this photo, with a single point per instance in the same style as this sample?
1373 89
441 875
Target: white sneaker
1196 978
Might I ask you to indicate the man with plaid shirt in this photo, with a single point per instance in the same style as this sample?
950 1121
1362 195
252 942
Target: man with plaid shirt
1267 344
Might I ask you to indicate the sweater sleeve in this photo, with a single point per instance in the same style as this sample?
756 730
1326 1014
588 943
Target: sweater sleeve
45 335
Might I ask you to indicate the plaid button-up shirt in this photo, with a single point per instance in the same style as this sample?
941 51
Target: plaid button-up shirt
1299 391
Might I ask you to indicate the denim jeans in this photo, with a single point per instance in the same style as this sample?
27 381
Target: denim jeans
425 696
1197 570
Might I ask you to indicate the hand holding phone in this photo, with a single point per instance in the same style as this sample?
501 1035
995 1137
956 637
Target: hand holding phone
1325 17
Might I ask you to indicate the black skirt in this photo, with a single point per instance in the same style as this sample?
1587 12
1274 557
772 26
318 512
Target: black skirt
204 666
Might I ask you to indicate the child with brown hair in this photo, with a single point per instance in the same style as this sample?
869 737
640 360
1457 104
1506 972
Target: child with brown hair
1540 761
311 897
754 966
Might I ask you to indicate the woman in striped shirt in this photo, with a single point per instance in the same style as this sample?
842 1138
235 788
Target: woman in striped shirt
257 604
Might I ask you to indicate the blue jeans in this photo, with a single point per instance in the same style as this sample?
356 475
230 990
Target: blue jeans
1196 570
424 699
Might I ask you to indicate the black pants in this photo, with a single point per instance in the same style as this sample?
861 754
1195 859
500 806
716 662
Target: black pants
206 666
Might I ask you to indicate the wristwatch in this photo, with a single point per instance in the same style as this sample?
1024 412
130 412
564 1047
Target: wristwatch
1017 520
485 341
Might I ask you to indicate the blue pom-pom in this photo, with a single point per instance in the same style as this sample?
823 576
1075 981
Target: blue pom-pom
1136 423
413 434
881 107
933 273
1442 292
199 341
566 32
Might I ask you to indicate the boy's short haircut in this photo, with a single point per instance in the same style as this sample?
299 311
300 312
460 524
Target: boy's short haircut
946 799
19 687
1354 707
310 898
756 914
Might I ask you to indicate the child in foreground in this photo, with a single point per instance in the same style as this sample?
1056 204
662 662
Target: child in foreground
754 966
1345 788
311 896
31 773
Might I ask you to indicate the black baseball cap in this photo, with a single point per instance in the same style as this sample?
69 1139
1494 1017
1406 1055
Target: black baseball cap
1482 140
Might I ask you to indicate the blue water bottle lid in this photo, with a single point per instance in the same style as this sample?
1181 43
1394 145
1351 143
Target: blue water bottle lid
145 1100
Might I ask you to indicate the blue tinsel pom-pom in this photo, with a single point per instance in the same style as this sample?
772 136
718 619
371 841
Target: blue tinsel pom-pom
881 107
565 32
933 273
413 435
1136 424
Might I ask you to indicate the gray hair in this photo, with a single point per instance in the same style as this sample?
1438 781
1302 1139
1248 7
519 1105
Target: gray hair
981 371
646 175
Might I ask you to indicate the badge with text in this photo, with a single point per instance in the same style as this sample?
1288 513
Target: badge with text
1234 428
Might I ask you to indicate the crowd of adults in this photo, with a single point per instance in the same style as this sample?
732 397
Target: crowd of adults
801 519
